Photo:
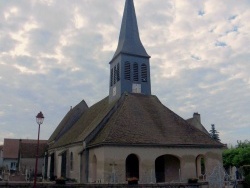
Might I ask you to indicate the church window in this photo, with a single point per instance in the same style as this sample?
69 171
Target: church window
118 72
127 71
200 166
71 161
115 74
135 69
111 77
144 73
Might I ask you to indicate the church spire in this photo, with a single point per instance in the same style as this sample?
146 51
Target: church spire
129 40
129 67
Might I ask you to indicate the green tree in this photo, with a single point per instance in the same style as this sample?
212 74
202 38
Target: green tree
214 133
238 156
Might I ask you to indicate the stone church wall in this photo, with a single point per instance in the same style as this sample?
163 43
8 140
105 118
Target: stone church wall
108 164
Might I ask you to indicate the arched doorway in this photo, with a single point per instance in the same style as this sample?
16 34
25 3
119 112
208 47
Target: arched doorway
132 167
200 166
167 168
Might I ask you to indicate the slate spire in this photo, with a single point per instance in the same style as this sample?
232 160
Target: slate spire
129 67
129 39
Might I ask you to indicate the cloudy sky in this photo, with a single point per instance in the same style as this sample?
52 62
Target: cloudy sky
53 54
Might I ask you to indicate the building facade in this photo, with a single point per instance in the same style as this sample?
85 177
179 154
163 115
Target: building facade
130 134
20 155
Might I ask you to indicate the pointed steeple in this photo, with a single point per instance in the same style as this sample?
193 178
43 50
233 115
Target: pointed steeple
129 67
129 40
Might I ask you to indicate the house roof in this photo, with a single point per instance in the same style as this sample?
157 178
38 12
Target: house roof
10 149
135 119
129 39
28 150
11 146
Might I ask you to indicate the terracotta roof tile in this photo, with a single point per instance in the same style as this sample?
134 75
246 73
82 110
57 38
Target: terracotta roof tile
11 146
28 150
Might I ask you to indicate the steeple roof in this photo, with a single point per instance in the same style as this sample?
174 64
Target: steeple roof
129 39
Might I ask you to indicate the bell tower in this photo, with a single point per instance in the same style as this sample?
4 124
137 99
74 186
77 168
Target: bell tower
129 67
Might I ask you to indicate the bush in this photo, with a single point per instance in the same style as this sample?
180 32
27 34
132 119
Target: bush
247 180
246 170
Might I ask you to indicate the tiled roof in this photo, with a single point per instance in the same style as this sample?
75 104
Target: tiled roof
69 120
11 146
135 119
144 120
28 150
85 124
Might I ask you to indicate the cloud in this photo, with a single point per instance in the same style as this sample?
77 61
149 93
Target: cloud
53 54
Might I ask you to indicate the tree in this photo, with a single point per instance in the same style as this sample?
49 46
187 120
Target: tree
214 133
238 156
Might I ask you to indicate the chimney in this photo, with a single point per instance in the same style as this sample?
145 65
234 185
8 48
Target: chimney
197 116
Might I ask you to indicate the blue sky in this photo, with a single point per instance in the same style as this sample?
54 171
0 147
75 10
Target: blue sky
53 54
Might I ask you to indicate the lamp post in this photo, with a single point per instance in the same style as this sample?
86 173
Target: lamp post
39 120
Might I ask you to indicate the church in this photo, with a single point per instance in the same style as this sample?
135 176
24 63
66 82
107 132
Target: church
130 134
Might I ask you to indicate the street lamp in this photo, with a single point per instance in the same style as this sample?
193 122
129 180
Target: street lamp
39 120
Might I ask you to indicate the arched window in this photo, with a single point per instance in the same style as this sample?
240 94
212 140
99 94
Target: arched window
135 69
115 74
144 76
127 71
200 166
71 161
111 77
118 72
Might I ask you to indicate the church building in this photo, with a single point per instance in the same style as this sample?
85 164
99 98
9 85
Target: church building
130 134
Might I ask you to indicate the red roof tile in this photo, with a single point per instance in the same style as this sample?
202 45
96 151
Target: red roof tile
11 146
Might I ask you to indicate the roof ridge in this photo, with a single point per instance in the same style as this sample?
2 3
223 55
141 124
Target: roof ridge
117 111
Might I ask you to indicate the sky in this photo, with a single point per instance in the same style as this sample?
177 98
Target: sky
54 54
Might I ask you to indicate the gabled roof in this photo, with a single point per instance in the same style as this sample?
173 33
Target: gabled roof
134 119
69 120
10 148
85 125
129 39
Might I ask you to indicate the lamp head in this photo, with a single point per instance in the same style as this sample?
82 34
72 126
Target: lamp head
39 118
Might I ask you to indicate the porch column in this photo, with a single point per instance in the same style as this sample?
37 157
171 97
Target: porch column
147 171
48 167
